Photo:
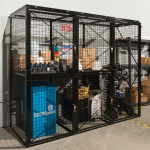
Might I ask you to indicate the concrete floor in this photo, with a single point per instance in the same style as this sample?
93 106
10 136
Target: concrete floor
127 135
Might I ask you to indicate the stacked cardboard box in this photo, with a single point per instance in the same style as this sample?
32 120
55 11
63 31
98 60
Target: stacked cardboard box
134 95
145 60
144 98
19 62
87 57
146 87
46 54
86 63
85 53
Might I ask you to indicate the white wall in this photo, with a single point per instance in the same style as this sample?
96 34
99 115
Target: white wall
129 9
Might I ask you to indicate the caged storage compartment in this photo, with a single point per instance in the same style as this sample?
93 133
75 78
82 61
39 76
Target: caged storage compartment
71 72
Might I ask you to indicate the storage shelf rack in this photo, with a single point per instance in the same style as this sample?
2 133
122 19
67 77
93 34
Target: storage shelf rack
47 27
147 67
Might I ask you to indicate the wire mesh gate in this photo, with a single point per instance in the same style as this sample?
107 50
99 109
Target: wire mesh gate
71 72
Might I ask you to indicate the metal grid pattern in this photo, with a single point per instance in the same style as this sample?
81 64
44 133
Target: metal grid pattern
94 44
68 64
127 59
17 62
51 114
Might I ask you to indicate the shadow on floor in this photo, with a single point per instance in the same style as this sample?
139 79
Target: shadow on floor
8 139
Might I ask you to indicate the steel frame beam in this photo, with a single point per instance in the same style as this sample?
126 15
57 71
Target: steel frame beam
75 70
139 69
27 74
129 60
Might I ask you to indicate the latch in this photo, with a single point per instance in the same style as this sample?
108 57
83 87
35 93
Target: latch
111 101
74 109
75 49
111 50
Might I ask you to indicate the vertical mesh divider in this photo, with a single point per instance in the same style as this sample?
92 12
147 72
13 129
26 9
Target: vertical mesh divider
93 44
127 59
17 65
92 97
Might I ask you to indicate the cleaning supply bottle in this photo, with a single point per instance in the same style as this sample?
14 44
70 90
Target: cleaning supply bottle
56 54
40 67
36 67
48 67
44 67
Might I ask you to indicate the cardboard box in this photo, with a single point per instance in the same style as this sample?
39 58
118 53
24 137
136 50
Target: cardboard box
146 87
86 63
148 59
45 54
18 69
68 62
20 59
144 60
85 53
19 62
146 91
134 94
144 98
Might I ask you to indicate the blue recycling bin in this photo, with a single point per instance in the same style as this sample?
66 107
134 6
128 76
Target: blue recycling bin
43 109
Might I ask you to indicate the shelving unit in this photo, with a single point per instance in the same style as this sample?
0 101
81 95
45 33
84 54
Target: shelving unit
85 97
147 67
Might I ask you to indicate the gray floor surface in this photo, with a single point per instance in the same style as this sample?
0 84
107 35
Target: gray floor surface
128 135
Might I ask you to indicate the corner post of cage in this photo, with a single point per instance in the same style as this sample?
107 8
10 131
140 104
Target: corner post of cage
149 56
10 66
75 71
129 60
51 46
139 69
112 58
83 46
27 76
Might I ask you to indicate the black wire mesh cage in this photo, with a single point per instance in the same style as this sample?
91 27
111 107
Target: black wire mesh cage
71 72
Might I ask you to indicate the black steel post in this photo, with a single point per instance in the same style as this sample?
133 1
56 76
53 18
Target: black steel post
10 61
129 60
75 70
149 56
27 74
139 69
51 46
112 60
83 36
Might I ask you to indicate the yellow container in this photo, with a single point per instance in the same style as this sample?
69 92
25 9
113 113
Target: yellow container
82 92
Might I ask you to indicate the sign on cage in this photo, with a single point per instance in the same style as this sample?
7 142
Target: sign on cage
66 27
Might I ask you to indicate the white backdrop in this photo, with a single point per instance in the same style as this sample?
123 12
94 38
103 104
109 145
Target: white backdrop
129 9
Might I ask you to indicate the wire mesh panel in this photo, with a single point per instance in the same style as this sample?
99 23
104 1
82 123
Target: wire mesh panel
51 111
91 97
94 44
128 70
51 43
17 65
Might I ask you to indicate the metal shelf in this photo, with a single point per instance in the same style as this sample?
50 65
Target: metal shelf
143 41
134 66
